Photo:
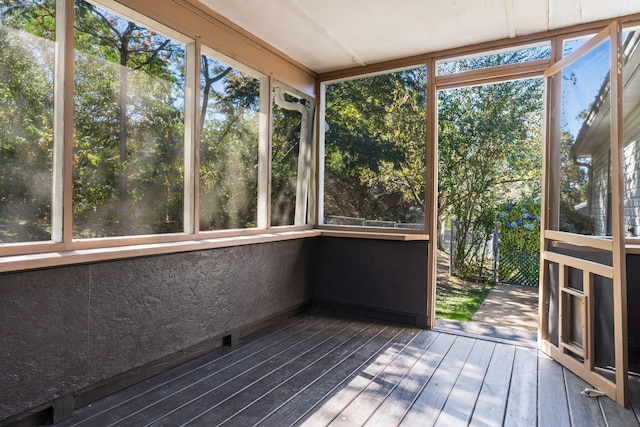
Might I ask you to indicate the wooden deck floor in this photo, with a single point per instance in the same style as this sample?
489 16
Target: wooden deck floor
317 369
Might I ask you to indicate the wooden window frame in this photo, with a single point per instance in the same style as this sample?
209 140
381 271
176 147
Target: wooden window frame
202 26
63 249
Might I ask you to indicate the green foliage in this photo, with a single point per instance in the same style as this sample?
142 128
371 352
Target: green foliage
519 227
128 124
489 151
128 130
228 148
459 304
375 147
285 150
574 184
26 124
128 127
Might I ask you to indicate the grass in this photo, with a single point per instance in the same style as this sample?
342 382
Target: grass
459 304
457 299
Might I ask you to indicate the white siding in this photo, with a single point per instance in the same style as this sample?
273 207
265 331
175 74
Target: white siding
632 187
599 190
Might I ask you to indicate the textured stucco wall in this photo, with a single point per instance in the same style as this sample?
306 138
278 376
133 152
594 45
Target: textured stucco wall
62 329
382 278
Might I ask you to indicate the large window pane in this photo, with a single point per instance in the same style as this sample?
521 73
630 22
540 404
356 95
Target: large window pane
27 31
585 154
129 115
374 150
229 146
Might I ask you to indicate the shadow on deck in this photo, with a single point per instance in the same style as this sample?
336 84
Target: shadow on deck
318 369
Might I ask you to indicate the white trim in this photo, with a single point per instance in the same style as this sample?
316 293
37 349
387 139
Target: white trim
62 67
322 129
264 154
191 108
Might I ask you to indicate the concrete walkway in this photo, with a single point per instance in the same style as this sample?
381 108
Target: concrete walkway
510 306
509 313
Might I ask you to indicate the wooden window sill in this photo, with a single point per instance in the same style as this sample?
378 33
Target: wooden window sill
79 256
406 237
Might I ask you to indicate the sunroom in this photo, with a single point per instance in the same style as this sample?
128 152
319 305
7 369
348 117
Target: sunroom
228 212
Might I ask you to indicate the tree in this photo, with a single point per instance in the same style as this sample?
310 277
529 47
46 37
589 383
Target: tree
26 122
489 151
375 147
574 185
135 49
228 147
128 127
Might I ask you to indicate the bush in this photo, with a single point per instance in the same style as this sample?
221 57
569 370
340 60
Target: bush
519 230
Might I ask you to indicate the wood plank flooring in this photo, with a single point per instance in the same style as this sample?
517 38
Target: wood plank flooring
318 369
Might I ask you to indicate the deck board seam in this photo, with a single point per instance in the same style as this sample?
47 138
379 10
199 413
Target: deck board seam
198 368
329 351
405 353
415 399
408 371
346 357
336 387
264 376
219 385
484 377
460 371
375 350
377 375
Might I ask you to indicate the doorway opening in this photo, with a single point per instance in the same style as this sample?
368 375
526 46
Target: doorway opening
490 166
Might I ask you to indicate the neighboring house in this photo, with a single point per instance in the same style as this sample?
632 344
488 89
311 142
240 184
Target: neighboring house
593 144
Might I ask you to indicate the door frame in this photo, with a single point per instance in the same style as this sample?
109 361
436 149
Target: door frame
580 359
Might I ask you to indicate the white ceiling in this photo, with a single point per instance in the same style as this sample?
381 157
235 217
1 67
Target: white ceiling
326 35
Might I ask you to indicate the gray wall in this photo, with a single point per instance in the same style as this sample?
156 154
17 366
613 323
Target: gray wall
384 279
64 329
633 303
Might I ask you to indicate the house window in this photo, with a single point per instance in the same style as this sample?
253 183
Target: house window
373 136
129 124
27 34
229 145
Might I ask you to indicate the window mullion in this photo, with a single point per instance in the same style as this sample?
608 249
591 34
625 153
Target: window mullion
62 189
191 138
322 128
264 155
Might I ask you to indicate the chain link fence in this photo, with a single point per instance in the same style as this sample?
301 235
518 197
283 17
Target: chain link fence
509 267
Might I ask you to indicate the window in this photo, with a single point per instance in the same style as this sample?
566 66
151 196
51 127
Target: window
129 124
585 143
374 151
292 124
229 146
494 59
115 155
27 33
